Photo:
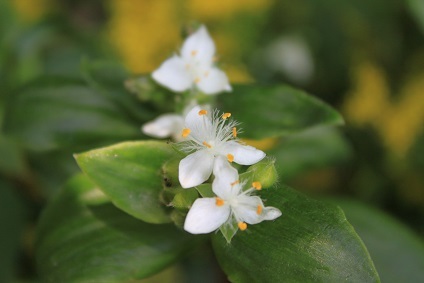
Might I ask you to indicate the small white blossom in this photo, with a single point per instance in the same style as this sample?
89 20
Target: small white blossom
230 204
193 67
210 136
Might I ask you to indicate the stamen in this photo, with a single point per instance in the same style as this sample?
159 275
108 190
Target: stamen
242 226
257 185
230 157
235 183
197 80
193 53
219 201
225 116
203 112
259 209
207 145
186 132
234 132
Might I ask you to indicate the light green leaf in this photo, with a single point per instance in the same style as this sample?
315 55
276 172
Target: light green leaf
416 8
205 190
397 252
272 111
130 175
310 242
185 198
311 149
83 238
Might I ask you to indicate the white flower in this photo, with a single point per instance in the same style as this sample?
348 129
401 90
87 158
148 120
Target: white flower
230 204
210 136
194 66
166 125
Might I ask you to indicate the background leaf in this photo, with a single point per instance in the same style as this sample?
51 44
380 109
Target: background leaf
397 252
130 174
84 238
271 111
310 242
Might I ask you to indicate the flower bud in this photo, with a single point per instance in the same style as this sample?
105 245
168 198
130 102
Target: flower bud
263 172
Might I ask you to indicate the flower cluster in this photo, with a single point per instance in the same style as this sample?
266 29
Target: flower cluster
210 139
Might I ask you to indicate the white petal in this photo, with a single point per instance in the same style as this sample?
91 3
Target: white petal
246 209
200 125
271 213
243 154
226 176
164 126
213 81
199 46
205 216
173 74
195 168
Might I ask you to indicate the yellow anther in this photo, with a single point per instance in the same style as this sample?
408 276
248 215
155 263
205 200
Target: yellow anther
207 145
193 53
234 132
259 209
203 112
230 157
235 183
197 80
219 201
186 132
225 116
242 226
257 185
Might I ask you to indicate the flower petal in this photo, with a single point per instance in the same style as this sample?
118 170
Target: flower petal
200 46
246 209
243 154
164 126
200 125
195 168
173 74
205 216
225 184
214 81
271 213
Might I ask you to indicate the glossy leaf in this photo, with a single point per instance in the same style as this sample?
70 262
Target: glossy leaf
84 238
272 111
310 242
397 252
130 175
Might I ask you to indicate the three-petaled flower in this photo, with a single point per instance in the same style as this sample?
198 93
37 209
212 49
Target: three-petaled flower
210 136
194 67
231 203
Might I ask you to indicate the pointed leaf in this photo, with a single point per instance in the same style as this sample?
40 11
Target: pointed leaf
271 111
130 175
310 242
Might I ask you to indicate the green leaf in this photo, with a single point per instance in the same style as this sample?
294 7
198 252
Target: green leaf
229 230
13 216
83 238
205 190
310 242
272 111
416 8
56 113
12 161
311 149
130 175
185 198
397 252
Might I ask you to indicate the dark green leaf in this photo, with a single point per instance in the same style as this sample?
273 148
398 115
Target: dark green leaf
272 111
84 238
130 174
56 113
312 149
397 252
416 8
12 161
310 242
